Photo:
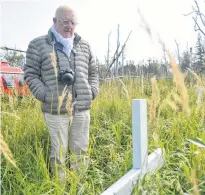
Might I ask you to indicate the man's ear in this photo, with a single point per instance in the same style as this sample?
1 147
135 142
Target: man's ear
54 20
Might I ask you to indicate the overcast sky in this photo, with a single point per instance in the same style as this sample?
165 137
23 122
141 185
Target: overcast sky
22 21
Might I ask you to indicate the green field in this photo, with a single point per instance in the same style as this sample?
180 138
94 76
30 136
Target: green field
169 127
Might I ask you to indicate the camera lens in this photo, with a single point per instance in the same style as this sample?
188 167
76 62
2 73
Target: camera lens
67 79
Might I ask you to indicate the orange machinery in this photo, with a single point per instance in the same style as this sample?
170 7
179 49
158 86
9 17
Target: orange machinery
12 81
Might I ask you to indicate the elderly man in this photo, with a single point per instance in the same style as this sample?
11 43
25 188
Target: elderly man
60 71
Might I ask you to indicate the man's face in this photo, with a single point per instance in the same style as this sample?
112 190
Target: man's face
65 23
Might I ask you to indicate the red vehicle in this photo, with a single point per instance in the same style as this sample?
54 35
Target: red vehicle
12 81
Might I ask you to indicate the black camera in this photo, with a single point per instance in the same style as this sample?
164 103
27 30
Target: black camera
66 76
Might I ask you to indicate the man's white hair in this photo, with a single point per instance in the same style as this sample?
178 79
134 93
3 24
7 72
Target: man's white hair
62 8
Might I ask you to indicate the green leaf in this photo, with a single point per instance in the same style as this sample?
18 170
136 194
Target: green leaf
197 141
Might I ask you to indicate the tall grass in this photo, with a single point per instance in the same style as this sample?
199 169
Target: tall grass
110 146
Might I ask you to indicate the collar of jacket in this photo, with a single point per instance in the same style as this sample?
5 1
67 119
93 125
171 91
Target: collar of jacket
51 37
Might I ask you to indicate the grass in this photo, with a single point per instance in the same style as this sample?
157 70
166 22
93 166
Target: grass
24 130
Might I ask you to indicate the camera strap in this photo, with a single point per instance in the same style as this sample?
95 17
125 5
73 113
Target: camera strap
57 57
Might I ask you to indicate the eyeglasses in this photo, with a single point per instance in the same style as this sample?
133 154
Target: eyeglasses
67 22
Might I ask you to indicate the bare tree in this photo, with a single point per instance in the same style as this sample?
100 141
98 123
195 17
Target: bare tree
122 65
117 56
108 50
178 52
118 45
199 18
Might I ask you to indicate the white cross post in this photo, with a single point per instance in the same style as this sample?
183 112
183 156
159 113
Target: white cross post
141 162
139 134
